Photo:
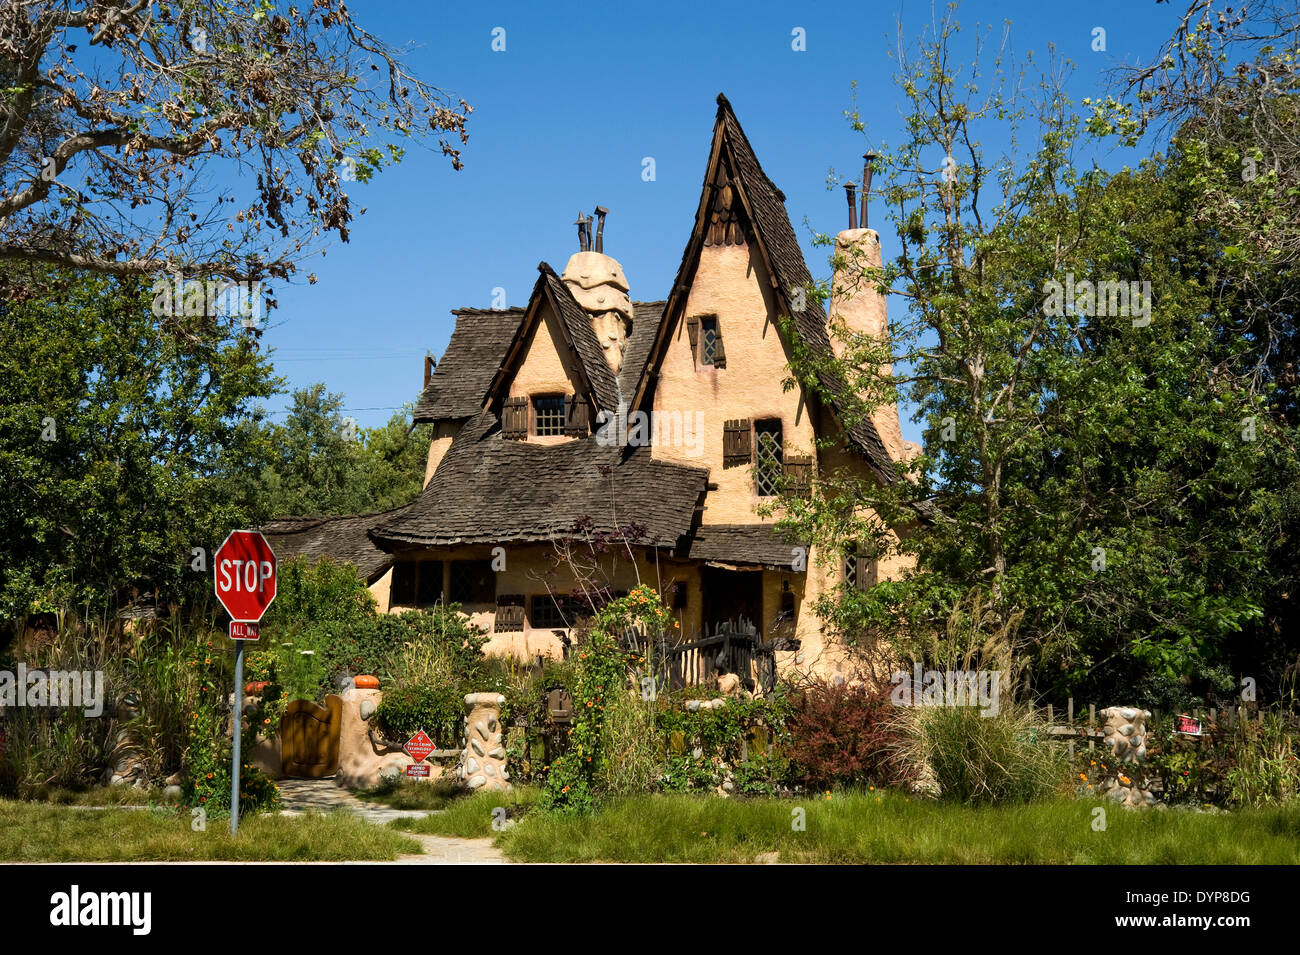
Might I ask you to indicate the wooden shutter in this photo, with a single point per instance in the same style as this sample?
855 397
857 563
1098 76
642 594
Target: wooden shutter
798 474
576 416
693 333
719 353
736 443
514 418
510 614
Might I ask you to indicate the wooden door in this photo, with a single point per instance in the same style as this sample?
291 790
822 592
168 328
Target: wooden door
309 737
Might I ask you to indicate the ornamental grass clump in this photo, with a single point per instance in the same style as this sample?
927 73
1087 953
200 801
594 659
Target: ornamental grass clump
974 758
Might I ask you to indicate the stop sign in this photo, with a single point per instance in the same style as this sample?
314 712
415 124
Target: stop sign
244 568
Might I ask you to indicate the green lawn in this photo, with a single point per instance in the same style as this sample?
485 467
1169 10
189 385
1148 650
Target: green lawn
877 828
39 832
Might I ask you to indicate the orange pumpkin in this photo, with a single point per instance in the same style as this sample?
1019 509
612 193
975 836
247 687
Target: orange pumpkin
367 682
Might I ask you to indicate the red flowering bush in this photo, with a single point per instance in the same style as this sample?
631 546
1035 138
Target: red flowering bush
842 734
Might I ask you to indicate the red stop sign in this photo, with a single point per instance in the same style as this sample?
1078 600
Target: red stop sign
244 569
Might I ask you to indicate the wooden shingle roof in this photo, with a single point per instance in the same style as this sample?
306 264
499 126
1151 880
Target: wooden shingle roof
759 544
460 381
490 489
343 539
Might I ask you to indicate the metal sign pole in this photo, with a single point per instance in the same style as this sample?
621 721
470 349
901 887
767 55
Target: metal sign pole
238 719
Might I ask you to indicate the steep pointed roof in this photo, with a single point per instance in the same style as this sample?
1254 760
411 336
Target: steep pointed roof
598 379
764 206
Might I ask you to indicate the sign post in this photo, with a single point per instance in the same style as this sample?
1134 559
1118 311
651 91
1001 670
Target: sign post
244 575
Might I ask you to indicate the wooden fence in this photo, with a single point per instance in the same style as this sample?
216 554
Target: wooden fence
735 646
1076 730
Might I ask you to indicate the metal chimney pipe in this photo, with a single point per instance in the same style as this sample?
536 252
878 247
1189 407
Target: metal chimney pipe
601 212
867 158
849 190
581 223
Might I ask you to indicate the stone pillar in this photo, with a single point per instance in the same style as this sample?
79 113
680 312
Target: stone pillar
1125 729
485 752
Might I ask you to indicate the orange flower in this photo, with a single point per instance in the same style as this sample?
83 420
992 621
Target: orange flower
565 789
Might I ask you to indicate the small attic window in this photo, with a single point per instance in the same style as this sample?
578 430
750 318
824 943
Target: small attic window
548 416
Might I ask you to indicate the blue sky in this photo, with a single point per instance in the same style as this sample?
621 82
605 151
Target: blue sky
562 121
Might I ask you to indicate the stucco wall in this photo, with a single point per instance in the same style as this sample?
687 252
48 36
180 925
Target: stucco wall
732 284
531 568
444 432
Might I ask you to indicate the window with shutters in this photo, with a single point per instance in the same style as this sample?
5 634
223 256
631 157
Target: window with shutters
859 570
548 416
767 456
472 582
706 340
556 611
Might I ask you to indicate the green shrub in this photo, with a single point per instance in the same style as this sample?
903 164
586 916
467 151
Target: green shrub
318 591
438 710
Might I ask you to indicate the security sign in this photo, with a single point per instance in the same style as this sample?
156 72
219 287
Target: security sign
244 569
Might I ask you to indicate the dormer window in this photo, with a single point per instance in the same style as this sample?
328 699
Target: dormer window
548 416
544 416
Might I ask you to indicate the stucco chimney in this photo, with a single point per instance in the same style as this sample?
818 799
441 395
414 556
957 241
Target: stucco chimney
597 282
856 303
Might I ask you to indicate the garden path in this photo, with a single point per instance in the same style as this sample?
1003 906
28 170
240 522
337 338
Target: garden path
299 796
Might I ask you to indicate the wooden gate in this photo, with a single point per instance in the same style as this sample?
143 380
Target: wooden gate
309 737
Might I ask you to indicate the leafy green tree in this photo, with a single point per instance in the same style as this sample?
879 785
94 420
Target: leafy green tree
1110 475
324 464
125 443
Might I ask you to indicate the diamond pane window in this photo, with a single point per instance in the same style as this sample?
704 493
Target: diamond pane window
767 456
548 415
472 582
708 340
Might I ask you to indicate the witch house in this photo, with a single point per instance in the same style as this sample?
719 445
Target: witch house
657 427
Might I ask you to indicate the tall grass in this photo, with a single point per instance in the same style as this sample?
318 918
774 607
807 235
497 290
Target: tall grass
1006 757
631 747
868 827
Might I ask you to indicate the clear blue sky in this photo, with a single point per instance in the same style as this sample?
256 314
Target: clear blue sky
562 120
